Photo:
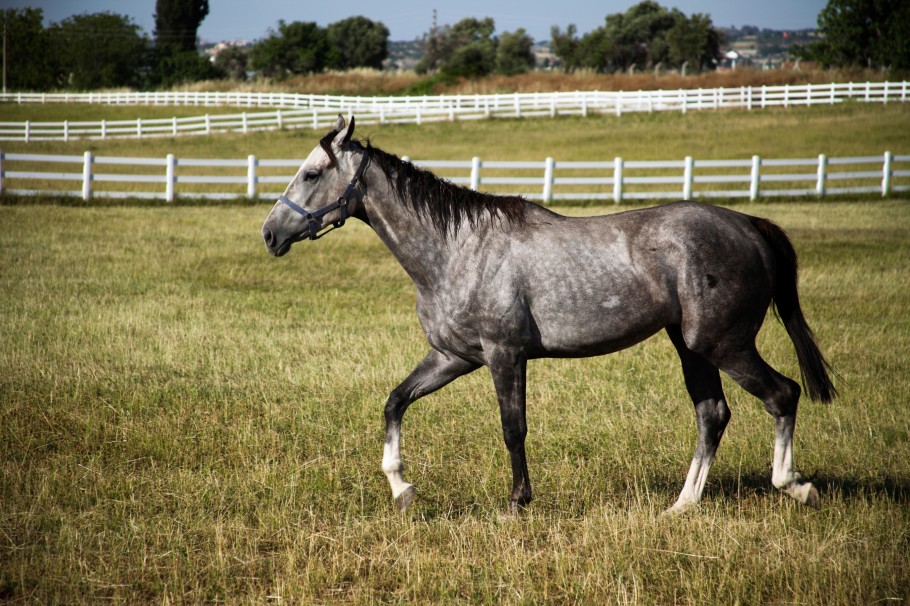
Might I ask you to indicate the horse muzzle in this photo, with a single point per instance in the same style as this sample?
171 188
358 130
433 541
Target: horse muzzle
276 244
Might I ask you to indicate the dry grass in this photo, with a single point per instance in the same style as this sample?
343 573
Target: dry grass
186 419
372 82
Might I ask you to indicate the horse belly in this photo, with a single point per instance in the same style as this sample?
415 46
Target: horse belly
597 330
598 314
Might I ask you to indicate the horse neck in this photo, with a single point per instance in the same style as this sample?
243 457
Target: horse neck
418 246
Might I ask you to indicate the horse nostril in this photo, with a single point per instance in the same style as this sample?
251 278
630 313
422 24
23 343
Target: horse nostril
268 236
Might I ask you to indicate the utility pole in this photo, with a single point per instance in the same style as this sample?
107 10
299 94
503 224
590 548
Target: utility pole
4 55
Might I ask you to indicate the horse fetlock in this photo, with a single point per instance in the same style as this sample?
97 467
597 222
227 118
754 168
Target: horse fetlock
783 480
390 466
680 507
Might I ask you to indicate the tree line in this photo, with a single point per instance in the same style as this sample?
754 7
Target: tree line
107 50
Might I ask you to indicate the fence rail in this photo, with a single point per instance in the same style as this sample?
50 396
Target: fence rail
319 111
616 180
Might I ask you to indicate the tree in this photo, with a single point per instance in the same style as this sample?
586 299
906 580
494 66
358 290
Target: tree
466 49
565 46
296 48
693 41
513 53
171 67
29 64
177 21
644 36
98 50
357 42
862 33
233 61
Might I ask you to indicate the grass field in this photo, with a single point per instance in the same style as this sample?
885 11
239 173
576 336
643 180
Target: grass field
186 419
851 129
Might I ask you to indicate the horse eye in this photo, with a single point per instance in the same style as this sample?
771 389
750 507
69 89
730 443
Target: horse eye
311 175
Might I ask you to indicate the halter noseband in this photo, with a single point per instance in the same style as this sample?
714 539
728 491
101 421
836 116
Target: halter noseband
312 230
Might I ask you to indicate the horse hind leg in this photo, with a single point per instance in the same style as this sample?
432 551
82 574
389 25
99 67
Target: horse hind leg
780 396
712 415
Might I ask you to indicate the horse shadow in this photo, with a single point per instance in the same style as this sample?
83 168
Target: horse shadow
723 488
893 488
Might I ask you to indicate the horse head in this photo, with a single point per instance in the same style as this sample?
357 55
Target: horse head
316 197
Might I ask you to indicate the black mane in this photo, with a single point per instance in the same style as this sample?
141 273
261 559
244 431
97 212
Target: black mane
447 205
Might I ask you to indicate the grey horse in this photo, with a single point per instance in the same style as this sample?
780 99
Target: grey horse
501 281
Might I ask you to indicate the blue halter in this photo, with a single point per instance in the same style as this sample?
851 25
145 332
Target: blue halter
313 226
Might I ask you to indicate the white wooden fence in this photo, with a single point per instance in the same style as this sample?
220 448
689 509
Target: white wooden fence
320 111
615 180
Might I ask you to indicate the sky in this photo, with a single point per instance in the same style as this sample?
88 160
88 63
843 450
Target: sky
409 19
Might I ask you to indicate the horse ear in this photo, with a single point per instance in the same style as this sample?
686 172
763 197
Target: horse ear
344 132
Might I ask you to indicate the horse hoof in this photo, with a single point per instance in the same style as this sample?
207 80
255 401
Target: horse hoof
812 499
679 508
404 500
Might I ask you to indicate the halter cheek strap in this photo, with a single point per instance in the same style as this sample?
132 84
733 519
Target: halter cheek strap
313 225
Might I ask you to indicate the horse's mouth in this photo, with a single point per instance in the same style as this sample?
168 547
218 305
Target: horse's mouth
281 250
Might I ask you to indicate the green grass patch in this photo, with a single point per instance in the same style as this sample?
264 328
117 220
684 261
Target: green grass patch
842 130
850 129
187 419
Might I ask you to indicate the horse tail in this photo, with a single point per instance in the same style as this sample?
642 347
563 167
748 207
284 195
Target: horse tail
814 369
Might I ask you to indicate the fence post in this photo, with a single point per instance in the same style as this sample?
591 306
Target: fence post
886 174
174 125
28 130
617 180
208 124
103 130
170 178
243 121
251 176
687 178
279 119
138 128
315 120
475 173
548 180
822 175
619 103
756 177
682 100
1 171
87 176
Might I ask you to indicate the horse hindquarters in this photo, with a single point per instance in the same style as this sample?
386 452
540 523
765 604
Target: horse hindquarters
724 335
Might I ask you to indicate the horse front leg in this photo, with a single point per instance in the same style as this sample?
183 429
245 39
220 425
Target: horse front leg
437 370
509 370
